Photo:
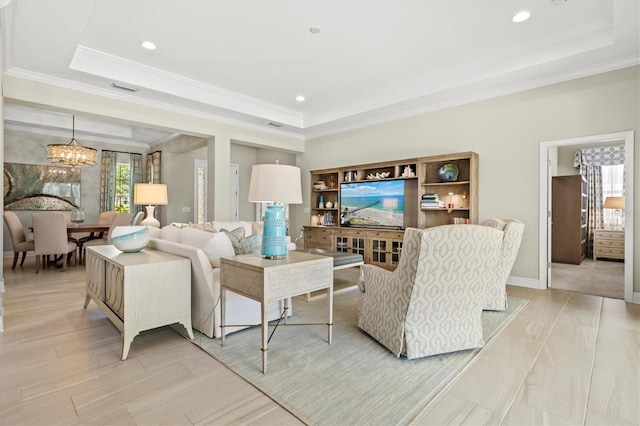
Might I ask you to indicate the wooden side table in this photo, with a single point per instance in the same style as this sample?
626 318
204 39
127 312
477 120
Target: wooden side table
264 280
139 291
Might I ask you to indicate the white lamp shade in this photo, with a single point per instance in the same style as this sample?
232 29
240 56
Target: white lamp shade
150 194
614 203
277 183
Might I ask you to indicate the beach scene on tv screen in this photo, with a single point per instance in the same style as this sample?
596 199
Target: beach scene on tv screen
373 203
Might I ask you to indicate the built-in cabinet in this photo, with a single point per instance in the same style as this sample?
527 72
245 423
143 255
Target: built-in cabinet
568 219
459 197
456 201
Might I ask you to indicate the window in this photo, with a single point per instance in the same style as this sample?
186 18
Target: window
123 185
612 186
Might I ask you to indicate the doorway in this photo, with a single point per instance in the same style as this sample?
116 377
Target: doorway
545 203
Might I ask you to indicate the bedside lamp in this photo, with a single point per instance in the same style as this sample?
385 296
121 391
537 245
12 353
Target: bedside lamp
617 204
279 184
150 195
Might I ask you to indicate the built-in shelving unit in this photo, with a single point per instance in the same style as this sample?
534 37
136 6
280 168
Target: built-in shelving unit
382 246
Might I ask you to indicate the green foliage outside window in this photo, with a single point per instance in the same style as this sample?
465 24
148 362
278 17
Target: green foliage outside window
123 185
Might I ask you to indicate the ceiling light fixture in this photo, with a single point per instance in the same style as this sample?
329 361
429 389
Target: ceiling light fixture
315 30
149 45
521 16
72 154
299 98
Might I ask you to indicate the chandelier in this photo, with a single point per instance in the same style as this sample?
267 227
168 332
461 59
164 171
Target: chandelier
72 154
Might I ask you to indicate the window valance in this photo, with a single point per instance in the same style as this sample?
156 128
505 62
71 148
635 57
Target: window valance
602 156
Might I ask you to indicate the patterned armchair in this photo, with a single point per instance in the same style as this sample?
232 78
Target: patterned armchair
432 303
497 292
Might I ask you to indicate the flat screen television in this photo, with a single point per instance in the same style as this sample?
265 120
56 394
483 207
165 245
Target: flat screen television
373 203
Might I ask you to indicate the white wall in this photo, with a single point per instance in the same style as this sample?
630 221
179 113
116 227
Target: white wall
506 133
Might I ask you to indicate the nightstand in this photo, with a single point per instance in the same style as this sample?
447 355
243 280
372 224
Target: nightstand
608 243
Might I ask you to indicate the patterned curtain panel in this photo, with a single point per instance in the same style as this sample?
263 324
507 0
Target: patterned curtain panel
108 181
136 177
153 167
153 173
590 160
595 218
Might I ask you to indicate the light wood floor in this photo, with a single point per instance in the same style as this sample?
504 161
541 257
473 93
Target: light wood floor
565 359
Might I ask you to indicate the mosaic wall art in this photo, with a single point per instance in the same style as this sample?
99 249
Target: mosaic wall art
39 187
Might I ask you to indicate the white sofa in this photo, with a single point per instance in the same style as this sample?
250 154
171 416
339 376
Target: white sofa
204 248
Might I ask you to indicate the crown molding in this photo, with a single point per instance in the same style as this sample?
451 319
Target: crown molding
125 97
112 67
427 106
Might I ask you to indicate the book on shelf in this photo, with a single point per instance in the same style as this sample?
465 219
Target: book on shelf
459 221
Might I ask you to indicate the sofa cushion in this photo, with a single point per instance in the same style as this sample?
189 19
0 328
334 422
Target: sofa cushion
171 233
242 244
214 244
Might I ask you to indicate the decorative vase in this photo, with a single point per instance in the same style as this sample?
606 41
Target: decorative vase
130 239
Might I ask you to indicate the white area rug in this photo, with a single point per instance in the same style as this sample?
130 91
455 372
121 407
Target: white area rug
355 380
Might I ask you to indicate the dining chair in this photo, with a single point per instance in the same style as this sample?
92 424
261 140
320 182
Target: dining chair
50 238
137 218
18 237
119 219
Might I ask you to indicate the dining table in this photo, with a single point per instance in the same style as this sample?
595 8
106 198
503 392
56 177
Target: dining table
83 228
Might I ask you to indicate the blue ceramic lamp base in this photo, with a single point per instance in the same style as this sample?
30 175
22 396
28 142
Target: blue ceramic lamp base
274 234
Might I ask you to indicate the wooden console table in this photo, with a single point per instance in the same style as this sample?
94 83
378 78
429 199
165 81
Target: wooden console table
139 291
264 280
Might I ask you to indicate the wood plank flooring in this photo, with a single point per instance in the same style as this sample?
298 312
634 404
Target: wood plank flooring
565 359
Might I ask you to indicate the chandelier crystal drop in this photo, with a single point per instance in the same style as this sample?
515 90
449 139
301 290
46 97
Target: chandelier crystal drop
72 154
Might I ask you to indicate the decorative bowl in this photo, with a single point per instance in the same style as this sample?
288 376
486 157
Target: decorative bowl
130 238
448 173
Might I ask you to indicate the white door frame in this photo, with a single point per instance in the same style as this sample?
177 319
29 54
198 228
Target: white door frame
234 188
545 202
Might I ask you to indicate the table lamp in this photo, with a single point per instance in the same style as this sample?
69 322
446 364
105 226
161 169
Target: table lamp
617 204
150 195
278 184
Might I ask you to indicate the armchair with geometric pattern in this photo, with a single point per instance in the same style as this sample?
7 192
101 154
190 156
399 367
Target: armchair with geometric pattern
432 303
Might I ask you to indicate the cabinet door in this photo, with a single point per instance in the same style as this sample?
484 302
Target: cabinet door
114 289
317 238
95 275
379 252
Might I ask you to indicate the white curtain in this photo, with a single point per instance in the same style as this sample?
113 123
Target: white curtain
612 186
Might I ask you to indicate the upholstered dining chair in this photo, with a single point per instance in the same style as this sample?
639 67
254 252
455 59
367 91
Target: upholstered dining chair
18 237
432 303
139 217
50 238
119 219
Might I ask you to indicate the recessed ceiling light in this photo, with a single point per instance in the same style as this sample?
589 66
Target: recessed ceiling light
299 98
315 30
148 45
521 16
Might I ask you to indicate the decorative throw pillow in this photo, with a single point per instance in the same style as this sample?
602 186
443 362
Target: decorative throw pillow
242 245
214 245
494 223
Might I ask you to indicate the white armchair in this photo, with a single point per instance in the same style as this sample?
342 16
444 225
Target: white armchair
497 292
432 303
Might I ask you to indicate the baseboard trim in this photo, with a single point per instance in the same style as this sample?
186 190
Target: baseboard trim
525 282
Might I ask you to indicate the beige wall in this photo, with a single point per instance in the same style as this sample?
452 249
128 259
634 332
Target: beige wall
506 133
